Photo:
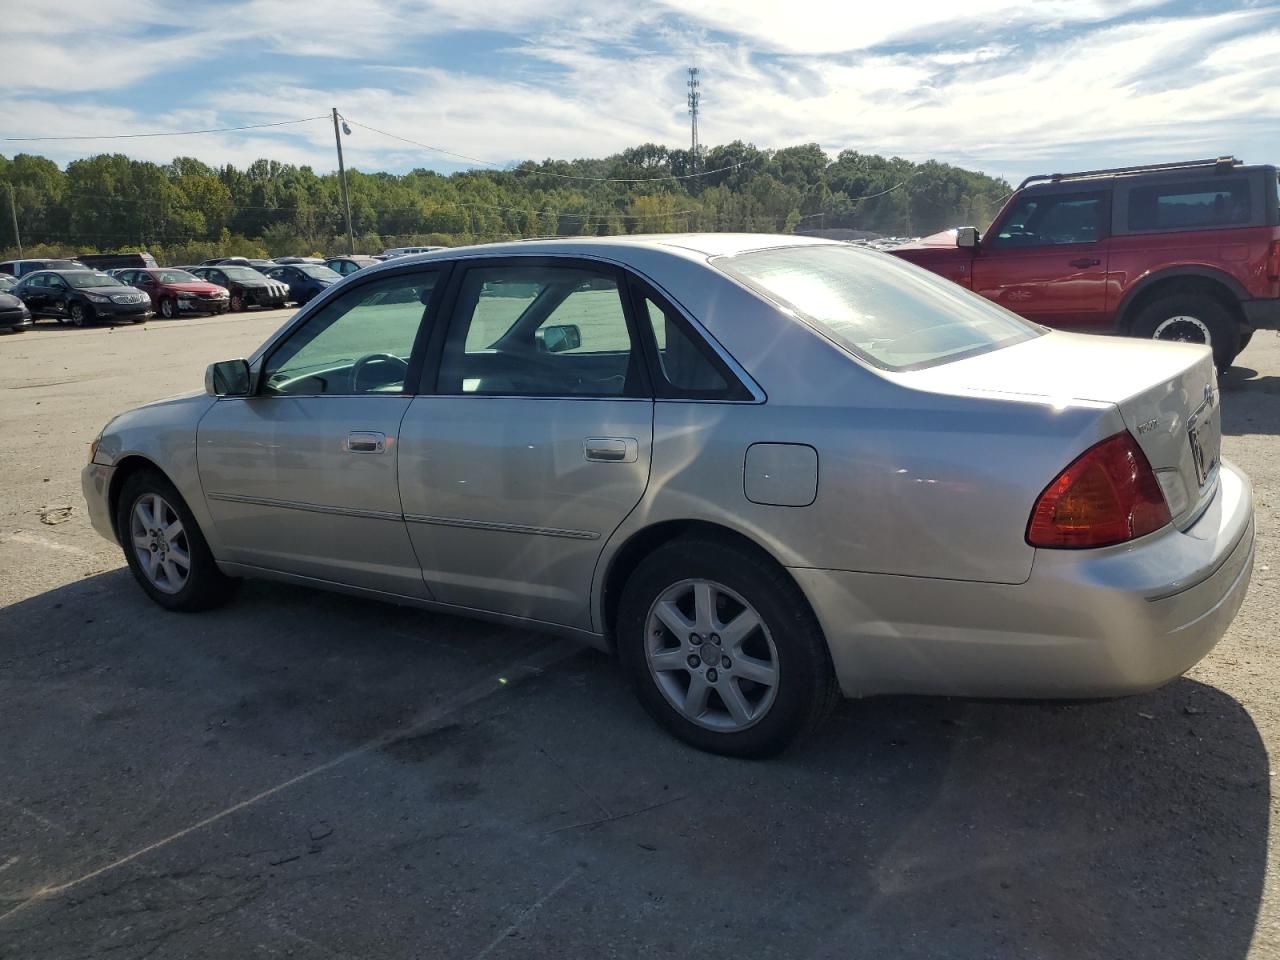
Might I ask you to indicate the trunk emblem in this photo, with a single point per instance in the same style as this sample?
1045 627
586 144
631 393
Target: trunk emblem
1148 426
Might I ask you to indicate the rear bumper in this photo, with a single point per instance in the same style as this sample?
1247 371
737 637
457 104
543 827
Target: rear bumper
1094 623
1262 314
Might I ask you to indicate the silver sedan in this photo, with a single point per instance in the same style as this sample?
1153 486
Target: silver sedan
765 471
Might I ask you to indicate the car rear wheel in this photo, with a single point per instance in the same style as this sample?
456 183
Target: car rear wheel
79 314
164 547
168 308
1192 318
722 649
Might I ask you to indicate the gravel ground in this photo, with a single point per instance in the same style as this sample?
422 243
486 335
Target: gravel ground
301 774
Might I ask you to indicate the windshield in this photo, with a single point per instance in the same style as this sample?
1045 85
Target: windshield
318 272
242 273
175 276
83 280
888 312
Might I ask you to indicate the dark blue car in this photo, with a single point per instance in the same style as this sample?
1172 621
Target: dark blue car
305 280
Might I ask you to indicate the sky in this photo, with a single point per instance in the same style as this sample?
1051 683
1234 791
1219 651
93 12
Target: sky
1004 86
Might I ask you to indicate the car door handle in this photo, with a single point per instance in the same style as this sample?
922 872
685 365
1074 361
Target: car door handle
366 441
1086 262
611 449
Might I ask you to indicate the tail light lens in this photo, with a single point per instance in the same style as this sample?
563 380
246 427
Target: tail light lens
1108 495
1273 261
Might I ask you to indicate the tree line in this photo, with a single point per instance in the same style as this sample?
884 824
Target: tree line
186 211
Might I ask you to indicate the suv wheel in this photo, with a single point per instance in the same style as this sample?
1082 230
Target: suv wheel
722 649
1192 318
164 547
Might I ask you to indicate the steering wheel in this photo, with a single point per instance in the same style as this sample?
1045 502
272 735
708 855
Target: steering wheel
357 368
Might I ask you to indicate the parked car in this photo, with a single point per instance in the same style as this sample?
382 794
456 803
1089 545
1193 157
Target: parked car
175 292
1174 251
14 315
405 251
81 296
255 262
765 470
306 281
20 268
348 265
317 260
245 286
107 262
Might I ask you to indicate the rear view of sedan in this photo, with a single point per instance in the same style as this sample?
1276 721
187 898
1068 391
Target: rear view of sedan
764 471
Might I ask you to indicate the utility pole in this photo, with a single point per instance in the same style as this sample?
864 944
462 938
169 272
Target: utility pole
13 212
342 178
695 98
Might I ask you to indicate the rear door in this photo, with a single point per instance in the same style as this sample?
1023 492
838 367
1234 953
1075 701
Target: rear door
1047 258
532 442
301 476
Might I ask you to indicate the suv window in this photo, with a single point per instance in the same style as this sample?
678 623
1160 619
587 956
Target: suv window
539 331
357 343
1046 219
1192 205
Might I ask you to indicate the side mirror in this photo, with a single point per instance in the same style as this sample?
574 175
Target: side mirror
558 338
227 378
967 237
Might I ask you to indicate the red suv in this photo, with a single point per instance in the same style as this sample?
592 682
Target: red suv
1176 251
175 292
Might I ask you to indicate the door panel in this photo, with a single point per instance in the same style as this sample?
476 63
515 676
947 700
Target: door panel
1047 259
504 509
288 490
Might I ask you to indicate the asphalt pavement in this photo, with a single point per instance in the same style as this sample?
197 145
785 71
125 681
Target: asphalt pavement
307 775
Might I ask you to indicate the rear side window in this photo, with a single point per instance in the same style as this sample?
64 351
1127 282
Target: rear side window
1194 205
895 315
687 368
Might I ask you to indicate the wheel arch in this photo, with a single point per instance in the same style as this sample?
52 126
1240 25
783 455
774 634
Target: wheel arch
640 544
128 466
1206 281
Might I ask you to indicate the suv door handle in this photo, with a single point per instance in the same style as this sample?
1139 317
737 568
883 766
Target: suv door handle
611 449
366 441
1086 262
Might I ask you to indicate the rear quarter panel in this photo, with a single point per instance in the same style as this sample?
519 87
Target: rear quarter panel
1237 257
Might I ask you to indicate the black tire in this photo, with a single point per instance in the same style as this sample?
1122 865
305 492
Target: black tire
206 586
169 308
806 692
237 302
79 314
1204 313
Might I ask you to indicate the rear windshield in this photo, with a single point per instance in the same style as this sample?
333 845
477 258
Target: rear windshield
83 280
888 312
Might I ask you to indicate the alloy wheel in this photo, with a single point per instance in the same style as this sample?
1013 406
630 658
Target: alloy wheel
160 543
711 655
1183 329
168 309
77 314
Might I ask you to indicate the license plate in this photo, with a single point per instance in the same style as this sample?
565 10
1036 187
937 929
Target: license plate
1204 432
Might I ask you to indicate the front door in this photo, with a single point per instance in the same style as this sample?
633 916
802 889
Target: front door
1047 259
533 443
301 477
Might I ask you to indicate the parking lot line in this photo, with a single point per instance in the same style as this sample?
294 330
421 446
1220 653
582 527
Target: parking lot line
504 678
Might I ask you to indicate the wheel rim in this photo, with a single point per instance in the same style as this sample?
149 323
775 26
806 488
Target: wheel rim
711 655
1184 329
77 314
236 302
166 309
160 543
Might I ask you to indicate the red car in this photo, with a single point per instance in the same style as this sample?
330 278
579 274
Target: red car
175 292
1176 251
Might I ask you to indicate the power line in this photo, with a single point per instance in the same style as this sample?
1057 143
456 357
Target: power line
165 133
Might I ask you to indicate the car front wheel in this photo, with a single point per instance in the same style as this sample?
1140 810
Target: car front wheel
79 314
237 302
168 308
722 649
1192 318
164 547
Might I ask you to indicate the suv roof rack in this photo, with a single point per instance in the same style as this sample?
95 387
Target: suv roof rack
1220 165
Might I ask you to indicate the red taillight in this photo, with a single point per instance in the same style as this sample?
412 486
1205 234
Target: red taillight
1273 261
1109 494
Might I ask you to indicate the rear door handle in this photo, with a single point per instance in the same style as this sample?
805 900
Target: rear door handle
366 441
1086 262
611 449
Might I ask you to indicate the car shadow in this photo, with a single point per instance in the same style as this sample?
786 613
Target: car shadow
907 827
1248 404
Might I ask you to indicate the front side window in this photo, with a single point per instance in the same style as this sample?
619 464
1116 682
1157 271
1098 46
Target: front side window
1047 220
1194 205
540 331
879 308
357 343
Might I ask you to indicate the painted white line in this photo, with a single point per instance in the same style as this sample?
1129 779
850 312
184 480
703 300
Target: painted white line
528 912
518 670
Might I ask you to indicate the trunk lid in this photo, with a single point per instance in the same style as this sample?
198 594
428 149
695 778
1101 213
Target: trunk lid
1167 394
